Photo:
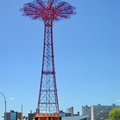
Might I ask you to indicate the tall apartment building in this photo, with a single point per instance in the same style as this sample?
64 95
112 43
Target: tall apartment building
97 112
86 110
70 111
100 112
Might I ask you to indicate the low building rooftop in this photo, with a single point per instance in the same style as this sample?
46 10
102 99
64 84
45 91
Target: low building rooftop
75 117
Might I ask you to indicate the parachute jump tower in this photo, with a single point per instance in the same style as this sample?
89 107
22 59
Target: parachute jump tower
48 11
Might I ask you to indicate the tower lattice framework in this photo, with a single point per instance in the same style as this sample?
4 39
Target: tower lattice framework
48 99
48 11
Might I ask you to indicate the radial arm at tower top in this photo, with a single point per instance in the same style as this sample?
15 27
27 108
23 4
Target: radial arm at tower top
49 10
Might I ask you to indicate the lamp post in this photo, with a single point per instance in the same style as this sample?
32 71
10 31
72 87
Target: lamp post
5 105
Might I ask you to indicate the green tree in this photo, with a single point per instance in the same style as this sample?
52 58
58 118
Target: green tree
114 114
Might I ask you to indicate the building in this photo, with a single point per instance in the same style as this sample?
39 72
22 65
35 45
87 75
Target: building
83 117
100 112
86 110
12 115
31 116
97 112
62 114
70 111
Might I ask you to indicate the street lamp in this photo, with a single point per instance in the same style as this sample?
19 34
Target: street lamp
5 105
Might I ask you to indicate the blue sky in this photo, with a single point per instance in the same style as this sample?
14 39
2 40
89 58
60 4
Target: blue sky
87 55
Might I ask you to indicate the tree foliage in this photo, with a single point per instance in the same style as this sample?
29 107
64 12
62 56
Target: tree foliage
114 114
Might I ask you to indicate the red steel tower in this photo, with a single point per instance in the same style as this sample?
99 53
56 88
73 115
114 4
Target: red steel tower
48 11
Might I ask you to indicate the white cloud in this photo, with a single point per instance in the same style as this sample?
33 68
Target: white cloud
11 98
118 100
